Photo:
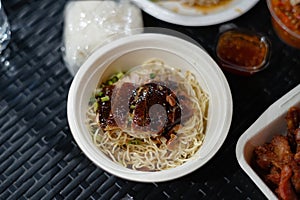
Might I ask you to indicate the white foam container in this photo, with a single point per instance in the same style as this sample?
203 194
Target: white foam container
127 52
272 122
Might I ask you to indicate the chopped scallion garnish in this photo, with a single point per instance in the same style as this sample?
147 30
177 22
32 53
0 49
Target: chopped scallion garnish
99 94
96 106
152 75
132 106
135 142
119 75
105 98
114 79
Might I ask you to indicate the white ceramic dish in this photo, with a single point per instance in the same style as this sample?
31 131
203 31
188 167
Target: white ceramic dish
271 122
131 51
174 12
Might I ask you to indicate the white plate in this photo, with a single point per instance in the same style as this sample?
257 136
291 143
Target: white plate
175 13
270 123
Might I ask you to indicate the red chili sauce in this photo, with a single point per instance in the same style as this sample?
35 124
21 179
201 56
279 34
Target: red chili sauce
288 14
242 52
287 25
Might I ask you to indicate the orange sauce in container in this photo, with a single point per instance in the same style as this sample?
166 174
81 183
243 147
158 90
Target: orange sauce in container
242 52
286 21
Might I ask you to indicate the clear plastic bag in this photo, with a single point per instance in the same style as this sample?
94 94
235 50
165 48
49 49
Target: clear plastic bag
91 24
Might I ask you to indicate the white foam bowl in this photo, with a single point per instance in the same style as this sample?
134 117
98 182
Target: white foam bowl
269 124
130 51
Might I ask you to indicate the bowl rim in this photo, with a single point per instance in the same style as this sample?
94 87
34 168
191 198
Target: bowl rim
139 39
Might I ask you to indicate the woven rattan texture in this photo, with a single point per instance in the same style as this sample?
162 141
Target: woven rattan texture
39 158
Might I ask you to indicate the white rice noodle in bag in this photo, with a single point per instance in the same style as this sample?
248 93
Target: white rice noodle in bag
90 24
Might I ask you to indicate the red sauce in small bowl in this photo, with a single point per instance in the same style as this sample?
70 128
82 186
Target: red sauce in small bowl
242 52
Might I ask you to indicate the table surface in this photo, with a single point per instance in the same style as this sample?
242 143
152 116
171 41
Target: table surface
39 158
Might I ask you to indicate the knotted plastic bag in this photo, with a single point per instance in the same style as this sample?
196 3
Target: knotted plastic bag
90 24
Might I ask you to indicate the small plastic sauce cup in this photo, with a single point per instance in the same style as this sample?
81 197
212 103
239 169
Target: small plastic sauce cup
286 21
242 52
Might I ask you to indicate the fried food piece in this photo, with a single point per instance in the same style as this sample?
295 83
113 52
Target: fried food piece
296 175
297 138
285 189
279 160
293 122
276 153
265 157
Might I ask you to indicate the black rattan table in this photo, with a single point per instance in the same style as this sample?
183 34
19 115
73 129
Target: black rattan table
39 158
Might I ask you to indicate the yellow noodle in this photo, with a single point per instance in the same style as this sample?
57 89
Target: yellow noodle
148 155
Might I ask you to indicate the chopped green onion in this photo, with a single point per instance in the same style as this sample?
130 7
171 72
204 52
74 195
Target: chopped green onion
96 106
109 82
99 94
114 79
135 142
152 75
119 75
129 120
132 106
105 98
